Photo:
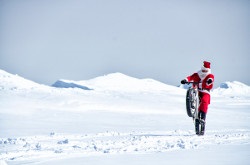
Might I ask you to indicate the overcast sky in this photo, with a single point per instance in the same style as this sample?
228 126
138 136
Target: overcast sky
46 40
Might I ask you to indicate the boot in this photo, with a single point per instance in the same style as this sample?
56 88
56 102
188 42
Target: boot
203 123
197 126
202 120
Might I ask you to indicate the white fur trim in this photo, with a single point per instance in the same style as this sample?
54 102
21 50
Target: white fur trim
203 75
204 91
207 69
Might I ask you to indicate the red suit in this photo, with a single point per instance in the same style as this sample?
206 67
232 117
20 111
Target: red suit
207 80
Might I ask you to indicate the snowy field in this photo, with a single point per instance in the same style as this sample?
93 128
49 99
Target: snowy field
117 119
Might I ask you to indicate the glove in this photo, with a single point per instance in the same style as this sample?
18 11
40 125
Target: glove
184 81
209 81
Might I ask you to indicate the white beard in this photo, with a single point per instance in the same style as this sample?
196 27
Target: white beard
203 75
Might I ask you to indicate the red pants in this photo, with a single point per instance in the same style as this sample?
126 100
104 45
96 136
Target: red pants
204 101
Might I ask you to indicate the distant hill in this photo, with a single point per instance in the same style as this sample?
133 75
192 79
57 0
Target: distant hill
233 88
66 84
116 82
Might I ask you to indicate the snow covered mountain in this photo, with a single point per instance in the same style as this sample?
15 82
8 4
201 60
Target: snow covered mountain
11 82
115 117
115 82
121 82
234 88
69 84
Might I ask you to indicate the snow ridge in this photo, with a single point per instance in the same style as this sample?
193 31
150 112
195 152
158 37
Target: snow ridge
10 81
117 82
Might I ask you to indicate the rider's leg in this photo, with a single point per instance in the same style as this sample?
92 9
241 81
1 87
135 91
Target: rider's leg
197 125
202 116
202 120
205 100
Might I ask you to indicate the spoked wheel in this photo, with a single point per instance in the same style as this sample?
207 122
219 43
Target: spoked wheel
191 102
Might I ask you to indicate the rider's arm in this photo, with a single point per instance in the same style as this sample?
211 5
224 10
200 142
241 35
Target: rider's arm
194 78
208 82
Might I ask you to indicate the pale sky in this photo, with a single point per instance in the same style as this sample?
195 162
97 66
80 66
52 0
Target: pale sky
166 40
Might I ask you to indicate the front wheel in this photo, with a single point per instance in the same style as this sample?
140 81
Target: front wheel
191 102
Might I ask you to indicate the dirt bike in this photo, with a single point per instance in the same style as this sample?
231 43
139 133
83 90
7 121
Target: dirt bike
192 105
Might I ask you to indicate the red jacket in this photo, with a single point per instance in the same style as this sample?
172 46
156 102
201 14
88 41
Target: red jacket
204 78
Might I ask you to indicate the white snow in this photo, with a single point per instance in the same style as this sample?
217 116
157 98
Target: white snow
233 89
118 119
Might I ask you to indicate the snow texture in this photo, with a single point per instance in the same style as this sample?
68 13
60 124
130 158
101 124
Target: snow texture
117 119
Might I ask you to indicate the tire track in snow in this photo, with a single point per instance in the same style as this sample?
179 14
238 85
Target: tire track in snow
58 145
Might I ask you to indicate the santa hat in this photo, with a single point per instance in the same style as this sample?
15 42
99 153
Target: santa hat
206 66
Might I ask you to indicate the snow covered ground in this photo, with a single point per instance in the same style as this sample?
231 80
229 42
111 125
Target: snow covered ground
117 119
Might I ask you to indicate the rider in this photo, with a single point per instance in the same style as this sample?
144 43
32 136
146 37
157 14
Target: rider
206 79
